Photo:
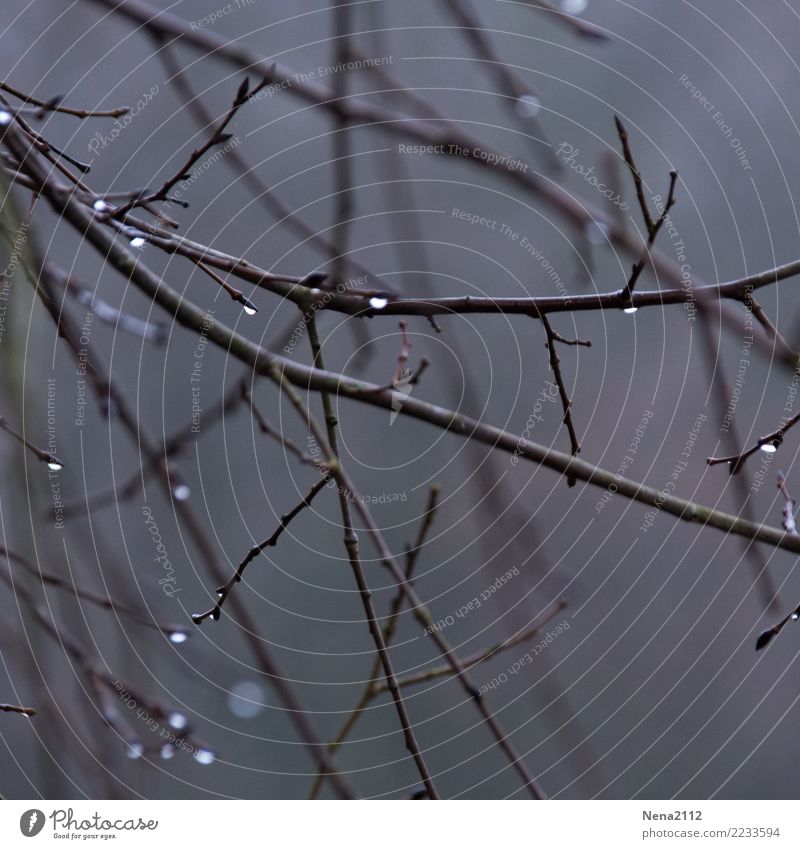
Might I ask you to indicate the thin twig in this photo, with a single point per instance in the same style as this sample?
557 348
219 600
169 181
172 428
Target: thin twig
172 446
218 137
769 443
485 654
272 432
369 692
265 362
637 177
45 456
790 526
646 253
54 105
566 401
420 611
175 632
330 449
236 295
108 393
224 591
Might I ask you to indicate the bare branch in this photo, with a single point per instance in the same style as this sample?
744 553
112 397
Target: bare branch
54 105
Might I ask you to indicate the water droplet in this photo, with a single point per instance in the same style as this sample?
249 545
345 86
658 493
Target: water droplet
5 117
167 751
138 242
54 464
249 309
597 232
177 720
378 303
181 492
314 279
529 106
179 636
769 447
574 7
246 699
630 310
100 206
204 756
134 751
795 616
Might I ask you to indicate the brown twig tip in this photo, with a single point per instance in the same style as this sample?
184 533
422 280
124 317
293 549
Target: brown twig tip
236 295
53 463
766 637
652 227
219 137
24 711
637 177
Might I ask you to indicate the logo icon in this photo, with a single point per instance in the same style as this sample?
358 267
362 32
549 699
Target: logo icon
31 822
403 384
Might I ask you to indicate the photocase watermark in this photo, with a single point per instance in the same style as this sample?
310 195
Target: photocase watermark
504 677
568 154
212 17
627 460
325 297
321 72
506 230
53 474
744 362
170 736
679 468
219 153
548 395
197 370
168 583
100 141
20 240
499 160
476 602
65 824
32 822
382 498
679 249
81 392
761 475
139 241
719 119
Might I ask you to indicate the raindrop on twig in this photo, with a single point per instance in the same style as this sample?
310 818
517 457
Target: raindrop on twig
177 720
134 751
204 756
181 492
